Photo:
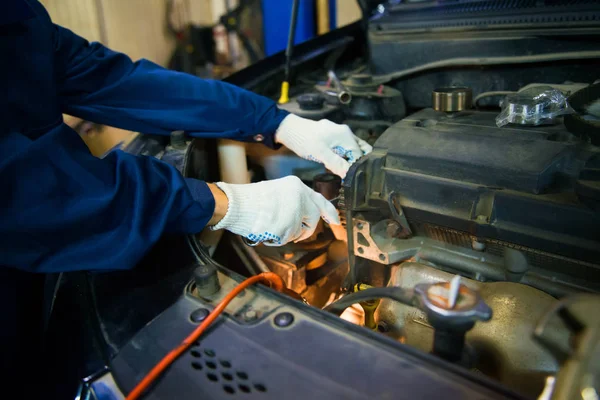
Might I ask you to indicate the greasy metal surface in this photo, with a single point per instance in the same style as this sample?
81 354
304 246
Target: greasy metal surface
376 244
399 217
328 185
317 356
327 283
579 355
504 346
452 99
307 267
500 186
535 258
286 266
370 102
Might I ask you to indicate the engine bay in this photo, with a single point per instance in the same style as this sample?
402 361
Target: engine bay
468 256
447 193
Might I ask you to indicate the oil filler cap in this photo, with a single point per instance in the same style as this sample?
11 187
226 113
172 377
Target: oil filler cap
452 99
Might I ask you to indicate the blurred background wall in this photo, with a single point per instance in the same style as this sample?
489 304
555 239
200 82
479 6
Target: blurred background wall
182 34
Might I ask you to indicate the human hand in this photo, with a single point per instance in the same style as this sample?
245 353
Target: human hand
322 141
275 212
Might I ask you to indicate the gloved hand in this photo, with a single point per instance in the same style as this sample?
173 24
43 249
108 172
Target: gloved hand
322 141
275 212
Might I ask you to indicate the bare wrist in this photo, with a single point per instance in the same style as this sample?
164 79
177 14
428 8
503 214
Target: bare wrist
221 204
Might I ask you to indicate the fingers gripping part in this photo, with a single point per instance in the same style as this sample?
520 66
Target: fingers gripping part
326 210
272 212
365 147
309 224
348 155
322 141
335 164
263 237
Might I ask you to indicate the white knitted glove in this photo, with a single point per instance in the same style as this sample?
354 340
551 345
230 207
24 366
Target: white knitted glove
275 212
322 141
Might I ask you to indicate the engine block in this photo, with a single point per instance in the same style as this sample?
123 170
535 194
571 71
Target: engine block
492 203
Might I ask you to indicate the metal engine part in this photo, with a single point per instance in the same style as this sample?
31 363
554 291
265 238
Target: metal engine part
504 347
328 185
447 193
370 107
578 352
314 267
372 101
465 183
312 106
385 243
452 99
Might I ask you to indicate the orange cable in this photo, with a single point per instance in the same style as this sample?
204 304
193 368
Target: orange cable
266 277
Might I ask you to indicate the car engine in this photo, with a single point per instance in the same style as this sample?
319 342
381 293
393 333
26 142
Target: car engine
447 192
493 199
470 235
510 213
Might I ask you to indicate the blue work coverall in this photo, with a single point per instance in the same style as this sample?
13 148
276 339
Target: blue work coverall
61 208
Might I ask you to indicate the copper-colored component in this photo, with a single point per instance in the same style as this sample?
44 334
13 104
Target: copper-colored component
452 99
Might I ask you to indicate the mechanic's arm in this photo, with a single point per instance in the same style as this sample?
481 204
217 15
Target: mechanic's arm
64 209
106 87
221 204
103 86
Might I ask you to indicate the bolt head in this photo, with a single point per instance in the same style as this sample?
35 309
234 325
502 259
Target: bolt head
284 319
482 219
199 315
250 315
393 229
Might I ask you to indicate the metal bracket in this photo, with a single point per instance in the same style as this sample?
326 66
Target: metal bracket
364 245
398 215
377 244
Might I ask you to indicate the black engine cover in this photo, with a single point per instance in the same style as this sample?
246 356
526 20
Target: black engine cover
514 185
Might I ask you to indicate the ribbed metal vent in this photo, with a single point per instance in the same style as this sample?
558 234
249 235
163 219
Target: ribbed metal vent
449 236
492 12
535 258
549 262
490 5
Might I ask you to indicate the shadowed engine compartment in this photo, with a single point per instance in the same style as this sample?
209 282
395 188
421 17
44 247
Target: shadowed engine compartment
471 248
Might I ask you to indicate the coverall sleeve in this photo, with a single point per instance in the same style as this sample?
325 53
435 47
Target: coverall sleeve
66 210
72 211
106 87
